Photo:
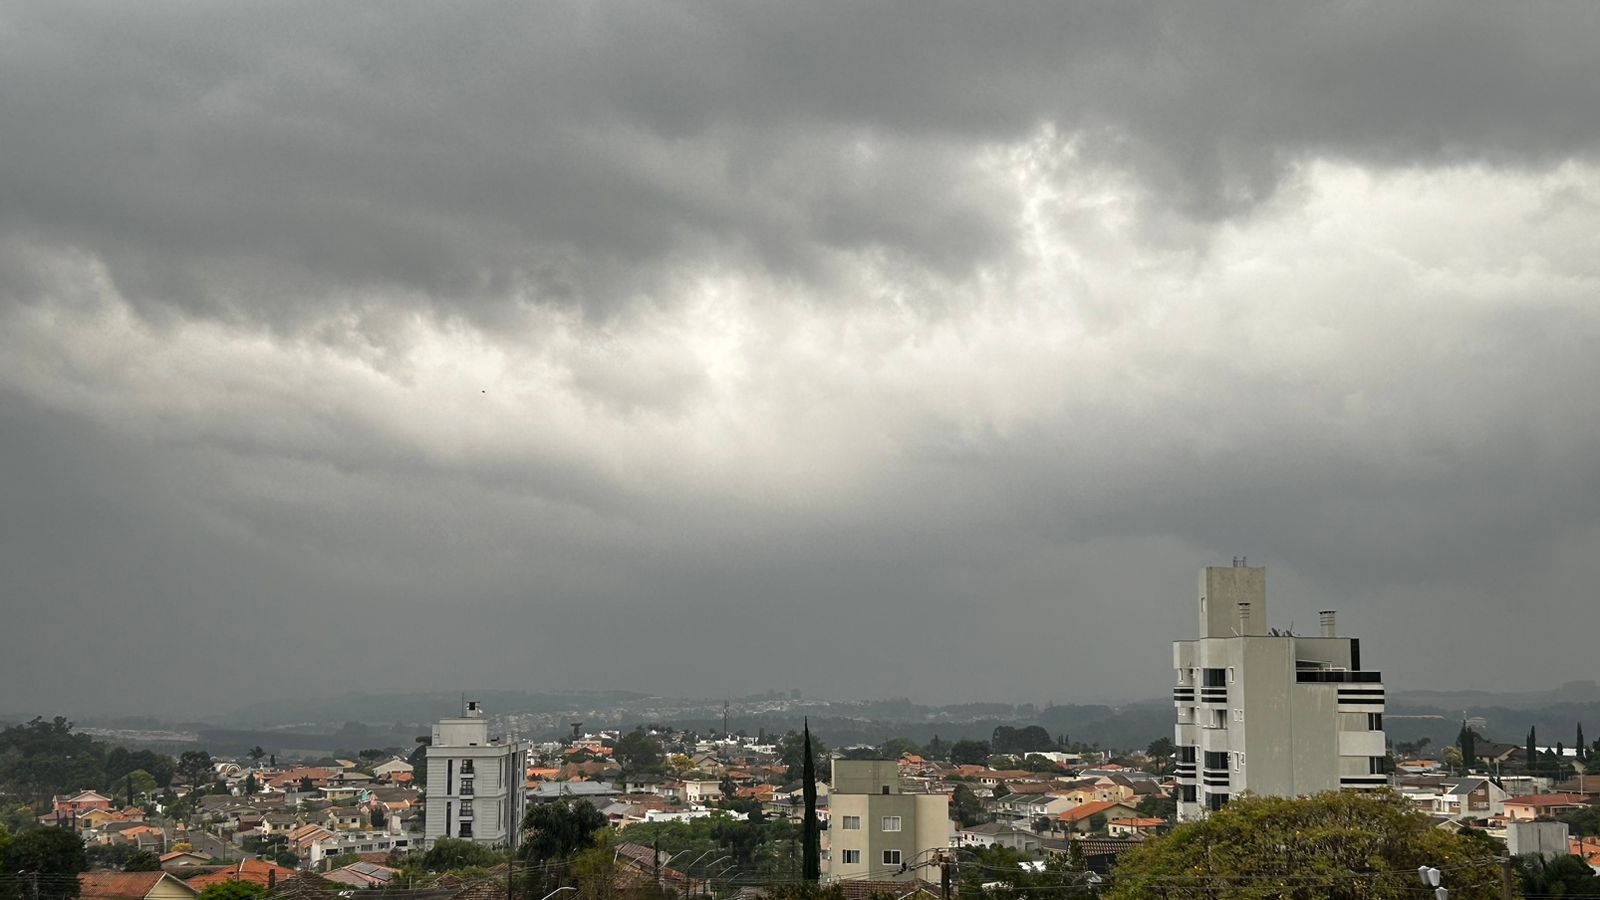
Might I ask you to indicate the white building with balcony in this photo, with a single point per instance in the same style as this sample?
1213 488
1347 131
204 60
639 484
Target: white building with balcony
476 784
1266 711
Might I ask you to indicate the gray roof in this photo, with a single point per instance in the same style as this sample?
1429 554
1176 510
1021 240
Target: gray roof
555 790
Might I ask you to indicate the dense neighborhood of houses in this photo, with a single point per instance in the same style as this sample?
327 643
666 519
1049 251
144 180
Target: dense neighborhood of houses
1259 712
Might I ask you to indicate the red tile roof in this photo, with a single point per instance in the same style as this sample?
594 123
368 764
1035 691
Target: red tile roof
123 885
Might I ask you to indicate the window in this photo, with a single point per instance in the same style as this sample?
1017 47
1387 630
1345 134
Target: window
1187 793
891 823
1186 754
465 789
1215 802
886 789
850 823
466 767
1374 721
1216 759
1216 678
466 830
1377 765
891 857
466 810
851 857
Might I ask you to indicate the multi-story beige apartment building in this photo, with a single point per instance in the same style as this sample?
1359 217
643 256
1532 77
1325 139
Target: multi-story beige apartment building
877 832
1266 711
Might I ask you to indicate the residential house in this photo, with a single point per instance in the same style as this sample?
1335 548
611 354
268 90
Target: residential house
1137 826
363 875
384 771
346 818
1543 806
988 834
66 807
135 886
1084 817
253 871
185 859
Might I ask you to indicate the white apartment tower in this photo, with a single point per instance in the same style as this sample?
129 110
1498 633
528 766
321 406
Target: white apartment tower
476 785
1266 711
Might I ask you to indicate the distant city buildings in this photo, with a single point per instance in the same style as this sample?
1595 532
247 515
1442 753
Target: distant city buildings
1266 711
476 785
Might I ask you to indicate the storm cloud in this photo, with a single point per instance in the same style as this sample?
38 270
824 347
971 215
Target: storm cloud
910 349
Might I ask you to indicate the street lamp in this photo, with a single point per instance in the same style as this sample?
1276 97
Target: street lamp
1431 877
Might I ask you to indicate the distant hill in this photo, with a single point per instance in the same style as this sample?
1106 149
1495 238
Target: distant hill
418 707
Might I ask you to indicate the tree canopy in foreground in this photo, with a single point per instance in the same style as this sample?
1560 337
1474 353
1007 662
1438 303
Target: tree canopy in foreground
1330 846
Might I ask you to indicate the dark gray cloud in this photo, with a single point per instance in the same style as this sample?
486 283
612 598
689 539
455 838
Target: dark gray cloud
836 346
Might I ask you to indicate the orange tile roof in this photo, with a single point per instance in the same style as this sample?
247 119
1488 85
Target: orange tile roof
254 871
123 885
1085 810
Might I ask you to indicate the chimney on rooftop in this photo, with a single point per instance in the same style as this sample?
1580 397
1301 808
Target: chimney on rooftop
1244 617
1327 618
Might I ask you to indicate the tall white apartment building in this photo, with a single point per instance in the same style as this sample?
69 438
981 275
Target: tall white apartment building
878 833
476 785
1266 711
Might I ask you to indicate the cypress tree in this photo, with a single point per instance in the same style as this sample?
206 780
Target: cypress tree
1532 752
1580 746
1469 746
811 832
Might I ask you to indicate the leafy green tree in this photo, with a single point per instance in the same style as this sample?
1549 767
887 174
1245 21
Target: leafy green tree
1564 876
1158 807
135 783
48 853
969 753
791 752
936 748
41 758
196 767
560 829
251 786
965 806
233 890
1584 822
142 861
1019 741
1330 846
894 748
448 854
638 752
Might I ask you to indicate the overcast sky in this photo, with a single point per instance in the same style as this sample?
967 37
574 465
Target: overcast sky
872 349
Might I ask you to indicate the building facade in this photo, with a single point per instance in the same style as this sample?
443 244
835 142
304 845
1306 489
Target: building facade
1266 711
876 832
475 782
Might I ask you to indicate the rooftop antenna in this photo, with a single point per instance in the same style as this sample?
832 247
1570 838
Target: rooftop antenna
724 718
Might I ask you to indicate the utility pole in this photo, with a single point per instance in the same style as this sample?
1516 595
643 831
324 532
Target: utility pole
944 877
1505 878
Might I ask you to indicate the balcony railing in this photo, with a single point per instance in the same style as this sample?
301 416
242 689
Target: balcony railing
1334 676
